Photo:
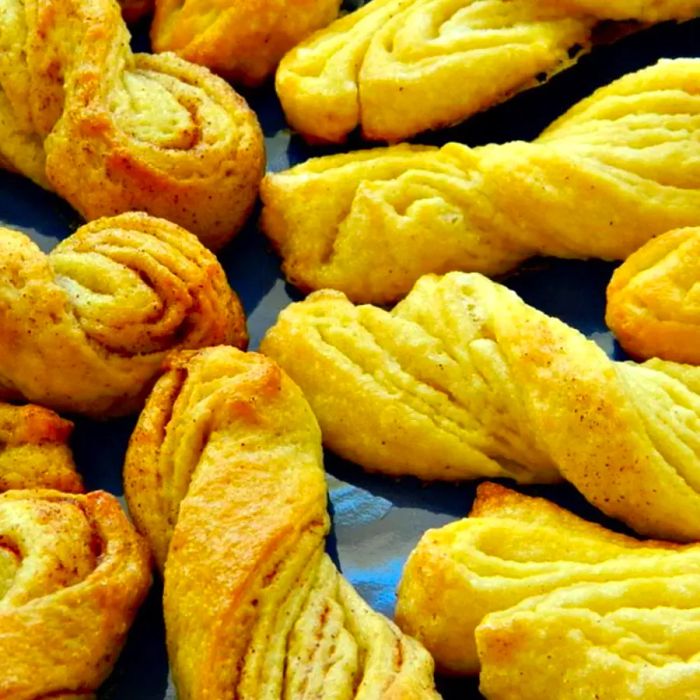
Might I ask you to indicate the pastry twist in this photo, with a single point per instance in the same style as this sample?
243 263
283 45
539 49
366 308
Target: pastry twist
224 476
398 67
72 574
463 379
86 328
111 131
557 607
243 41
654 298
617 169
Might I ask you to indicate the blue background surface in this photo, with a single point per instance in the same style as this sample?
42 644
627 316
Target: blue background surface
377 521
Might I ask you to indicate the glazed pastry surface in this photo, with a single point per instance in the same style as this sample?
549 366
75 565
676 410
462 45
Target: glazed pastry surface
391 67
617 169
73 573
654 299
85 328
242 41
224 476
111 131
464 380
558 607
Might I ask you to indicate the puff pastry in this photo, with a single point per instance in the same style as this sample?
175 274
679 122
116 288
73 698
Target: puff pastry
558 607
463 379
392 67
243 40
111 131
614 171
73 573
654 298
224 476
34 450
102 310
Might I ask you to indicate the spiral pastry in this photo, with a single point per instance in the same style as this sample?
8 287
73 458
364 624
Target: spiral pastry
463 380
224 476
111 131
74 572
34 450
654 298
244 40
85 329
558 607
395 68
617 169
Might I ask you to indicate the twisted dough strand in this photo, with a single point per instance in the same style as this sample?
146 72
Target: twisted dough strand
617 169
224 476
102 310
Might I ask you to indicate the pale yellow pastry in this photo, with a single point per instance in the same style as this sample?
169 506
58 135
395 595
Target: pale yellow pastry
85 328
398 67
548 605
463 380
73 573
242 40
34 450
224 476
654 298
614 171
112 131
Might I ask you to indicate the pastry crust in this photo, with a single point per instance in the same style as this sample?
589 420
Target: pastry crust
614 171
224 476
463 379
111 131
242 40
73 573
102 310
395 68
557 607
654 299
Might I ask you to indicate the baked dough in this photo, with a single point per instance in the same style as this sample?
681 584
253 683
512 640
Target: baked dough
111 131
395 68
85 329
34 450
242 40
614 171
554 606
654 299
224 476
73 573
463 380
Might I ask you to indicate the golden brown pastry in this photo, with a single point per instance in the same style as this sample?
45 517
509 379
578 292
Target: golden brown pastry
654 298
111 131
34 450
224 476
85 329
614 171
551 606
73 573
242 40
463 379
395 68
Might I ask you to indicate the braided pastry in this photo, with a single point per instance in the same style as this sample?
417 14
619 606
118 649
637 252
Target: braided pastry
398 67
73 572
224 476
654 298
111 131
86 328
463 379
557 607
33 450
243 40
619 168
